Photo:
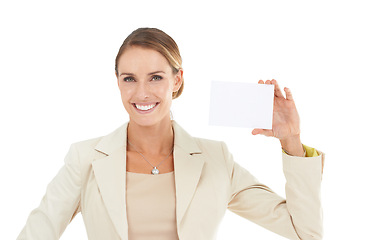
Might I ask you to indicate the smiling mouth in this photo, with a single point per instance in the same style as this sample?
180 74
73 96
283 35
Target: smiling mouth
145 107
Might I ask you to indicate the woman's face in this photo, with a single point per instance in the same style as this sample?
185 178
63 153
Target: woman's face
146 83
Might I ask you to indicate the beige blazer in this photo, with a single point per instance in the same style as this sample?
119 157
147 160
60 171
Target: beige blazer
207 180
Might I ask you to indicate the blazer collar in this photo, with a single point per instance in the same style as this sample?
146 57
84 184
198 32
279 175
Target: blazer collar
110 174
118 139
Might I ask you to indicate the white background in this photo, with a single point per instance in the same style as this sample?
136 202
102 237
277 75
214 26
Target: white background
58 87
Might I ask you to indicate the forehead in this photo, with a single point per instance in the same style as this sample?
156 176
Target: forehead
141 60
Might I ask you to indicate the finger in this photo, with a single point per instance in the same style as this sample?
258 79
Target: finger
265 132
261 82
268 82
277 91
288 94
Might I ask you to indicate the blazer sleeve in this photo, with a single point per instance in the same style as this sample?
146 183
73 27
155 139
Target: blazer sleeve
59 205
299 216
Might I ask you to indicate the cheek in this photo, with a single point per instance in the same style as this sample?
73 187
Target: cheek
125 93
167 90
166 93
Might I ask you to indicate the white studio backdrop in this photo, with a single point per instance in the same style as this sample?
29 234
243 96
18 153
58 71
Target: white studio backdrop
58 87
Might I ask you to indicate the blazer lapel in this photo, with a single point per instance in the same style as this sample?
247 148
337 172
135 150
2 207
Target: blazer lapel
188 164
110 174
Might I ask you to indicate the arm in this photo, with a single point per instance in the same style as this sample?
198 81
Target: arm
299 216
59 204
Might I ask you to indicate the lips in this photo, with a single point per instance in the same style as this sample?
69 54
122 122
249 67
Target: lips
145 107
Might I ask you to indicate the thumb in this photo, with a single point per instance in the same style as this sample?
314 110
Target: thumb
265 132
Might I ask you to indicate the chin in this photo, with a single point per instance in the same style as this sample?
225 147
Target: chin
144 122
148 121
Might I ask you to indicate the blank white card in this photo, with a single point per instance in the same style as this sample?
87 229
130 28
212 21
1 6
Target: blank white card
236 104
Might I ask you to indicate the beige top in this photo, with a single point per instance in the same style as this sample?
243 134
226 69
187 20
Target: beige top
151 206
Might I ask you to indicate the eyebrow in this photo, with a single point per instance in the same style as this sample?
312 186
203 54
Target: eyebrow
151 73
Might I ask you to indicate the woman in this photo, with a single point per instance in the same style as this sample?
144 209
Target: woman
149 179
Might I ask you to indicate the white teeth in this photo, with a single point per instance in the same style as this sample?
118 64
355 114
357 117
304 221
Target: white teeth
145 107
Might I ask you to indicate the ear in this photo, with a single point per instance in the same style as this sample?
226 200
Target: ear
178 80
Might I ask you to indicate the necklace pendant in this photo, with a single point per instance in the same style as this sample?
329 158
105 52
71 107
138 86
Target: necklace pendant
155 171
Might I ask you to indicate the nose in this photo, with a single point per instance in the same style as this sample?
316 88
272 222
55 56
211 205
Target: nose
143 90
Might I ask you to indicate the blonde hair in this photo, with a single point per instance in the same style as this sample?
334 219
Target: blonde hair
158 40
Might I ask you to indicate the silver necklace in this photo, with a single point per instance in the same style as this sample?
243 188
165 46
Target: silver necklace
155 171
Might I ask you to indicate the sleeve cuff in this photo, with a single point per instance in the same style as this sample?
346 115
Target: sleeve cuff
308 151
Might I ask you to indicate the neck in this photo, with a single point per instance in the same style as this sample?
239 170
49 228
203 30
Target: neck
155 139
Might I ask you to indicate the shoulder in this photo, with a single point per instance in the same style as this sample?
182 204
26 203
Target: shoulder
105 144
86 145
213 149
90 149
198 144
209 144
83 152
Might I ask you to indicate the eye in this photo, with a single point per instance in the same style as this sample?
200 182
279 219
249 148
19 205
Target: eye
156 78
128 79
